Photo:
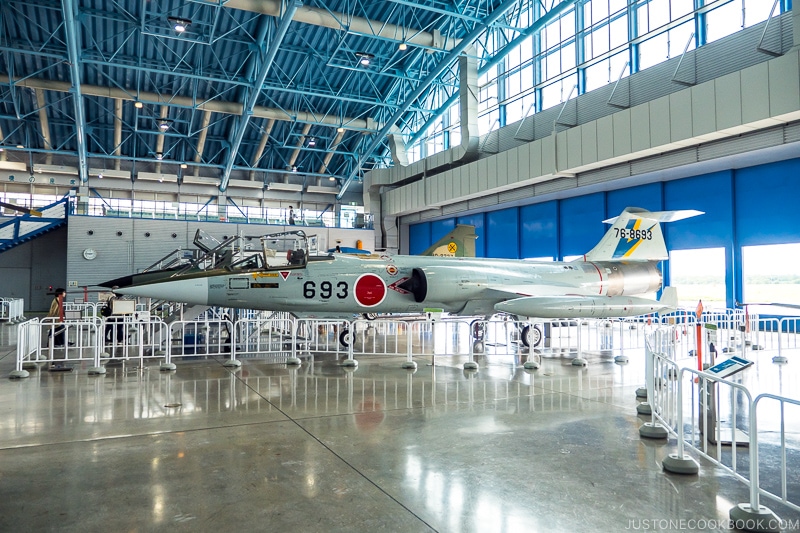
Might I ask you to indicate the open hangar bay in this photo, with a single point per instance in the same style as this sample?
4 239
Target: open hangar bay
385 125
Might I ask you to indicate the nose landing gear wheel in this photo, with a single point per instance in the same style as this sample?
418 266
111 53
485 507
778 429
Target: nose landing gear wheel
531 336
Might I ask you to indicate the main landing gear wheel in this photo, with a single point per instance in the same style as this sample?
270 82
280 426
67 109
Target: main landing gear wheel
531 336
345 338
370 316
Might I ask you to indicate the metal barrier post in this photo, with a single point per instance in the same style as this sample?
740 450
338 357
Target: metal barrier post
680 463
293 360
652 429
350 340
579 361
409 363
780 358
752 513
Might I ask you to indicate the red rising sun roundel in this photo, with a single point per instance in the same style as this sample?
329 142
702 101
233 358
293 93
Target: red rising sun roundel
370 290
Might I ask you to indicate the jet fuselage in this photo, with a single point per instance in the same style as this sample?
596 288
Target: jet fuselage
405 284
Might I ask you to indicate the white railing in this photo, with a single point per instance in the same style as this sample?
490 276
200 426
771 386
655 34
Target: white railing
769 472
28 343
200 338
259 337
719 420
68 342
11 309
86 309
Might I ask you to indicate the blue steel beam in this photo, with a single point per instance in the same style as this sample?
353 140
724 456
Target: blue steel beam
424 84
255 91
70 8
537 26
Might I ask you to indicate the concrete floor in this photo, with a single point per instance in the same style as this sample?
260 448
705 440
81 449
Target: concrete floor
320 448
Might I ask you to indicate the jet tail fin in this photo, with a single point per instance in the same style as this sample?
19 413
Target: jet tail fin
457 243
636 236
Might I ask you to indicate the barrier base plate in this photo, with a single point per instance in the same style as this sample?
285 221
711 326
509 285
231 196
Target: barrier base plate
680 465
653 431
748 519
644 409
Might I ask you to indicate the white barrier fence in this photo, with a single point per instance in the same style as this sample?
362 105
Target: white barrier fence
718 419
11 309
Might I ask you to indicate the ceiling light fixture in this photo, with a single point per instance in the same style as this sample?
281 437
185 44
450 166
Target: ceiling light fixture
364 58
331 178
20 146
163 124
138 105
312 142
294 169
159 156
100 176
340 129
184 165
402 46
179 24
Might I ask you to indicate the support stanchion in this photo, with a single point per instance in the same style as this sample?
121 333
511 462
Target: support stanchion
680 463
579 360
652 429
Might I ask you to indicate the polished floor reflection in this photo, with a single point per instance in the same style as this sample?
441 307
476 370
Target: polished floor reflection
268 447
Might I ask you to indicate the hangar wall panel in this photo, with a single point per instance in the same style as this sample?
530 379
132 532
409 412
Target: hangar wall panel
704 114
755 93
784 85
640 128
502 233
27 270
710 193
648 197
766 204
622 132
419 237
579 223
728 109
539 230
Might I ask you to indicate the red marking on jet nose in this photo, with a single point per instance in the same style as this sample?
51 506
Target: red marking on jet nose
370 290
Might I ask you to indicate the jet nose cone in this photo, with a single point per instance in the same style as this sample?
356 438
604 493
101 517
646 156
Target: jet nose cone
124 281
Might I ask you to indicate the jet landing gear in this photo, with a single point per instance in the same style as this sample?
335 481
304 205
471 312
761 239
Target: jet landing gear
531 336
345 338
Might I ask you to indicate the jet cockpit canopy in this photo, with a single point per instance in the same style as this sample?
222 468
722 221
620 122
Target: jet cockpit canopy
285 250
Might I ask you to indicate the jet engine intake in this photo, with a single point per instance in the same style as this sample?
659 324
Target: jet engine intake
417 285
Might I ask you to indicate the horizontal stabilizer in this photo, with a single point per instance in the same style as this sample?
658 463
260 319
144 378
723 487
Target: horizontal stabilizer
636 236
669 300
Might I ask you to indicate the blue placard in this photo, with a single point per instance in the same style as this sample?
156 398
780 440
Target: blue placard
729 366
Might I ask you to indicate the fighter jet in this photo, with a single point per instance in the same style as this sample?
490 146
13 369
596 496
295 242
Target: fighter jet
617 278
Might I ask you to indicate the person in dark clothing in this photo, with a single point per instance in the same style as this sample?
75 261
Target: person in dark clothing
55 312
291 216
111 321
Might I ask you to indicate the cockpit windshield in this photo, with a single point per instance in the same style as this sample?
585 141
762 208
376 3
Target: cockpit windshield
285 250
